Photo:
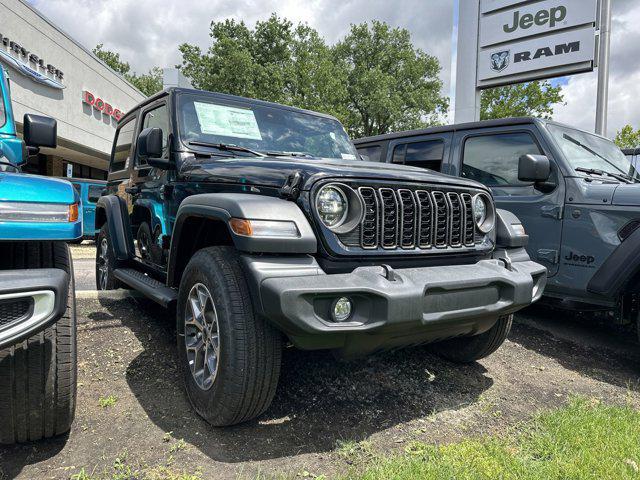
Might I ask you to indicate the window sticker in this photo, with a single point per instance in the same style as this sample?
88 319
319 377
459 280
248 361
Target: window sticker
227 121
348 156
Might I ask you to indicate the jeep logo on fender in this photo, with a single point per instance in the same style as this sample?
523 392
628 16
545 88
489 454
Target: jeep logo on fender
579 260
552 17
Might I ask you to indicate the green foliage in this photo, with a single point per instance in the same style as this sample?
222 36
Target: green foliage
391 84
148 83
532 99
109 401
585 440
627 137
374 80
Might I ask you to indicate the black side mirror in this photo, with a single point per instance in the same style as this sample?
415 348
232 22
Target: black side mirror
150 143
40 131
534 168
150 148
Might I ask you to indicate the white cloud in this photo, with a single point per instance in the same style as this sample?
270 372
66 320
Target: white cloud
624 96
148 32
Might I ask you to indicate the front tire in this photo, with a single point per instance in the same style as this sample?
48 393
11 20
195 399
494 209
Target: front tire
38 375
470 349
230 358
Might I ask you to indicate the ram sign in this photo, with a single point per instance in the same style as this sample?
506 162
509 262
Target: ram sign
572 50
523 41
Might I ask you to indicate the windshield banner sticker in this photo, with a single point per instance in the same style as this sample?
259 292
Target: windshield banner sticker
227 121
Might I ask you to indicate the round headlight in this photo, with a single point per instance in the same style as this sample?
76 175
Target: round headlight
479 210
331 205
483 213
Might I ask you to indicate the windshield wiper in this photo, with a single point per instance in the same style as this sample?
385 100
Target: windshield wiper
622 176
595 171
229 147
289 154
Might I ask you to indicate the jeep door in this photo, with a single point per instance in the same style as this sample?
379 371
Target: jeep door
149 193
491 157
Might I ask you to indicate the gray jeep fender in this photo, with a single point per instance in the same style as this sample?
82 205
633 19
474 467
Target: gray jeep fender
224 206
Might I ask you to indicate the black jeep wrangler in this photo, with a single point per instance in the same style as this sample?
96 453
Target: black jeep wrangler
259 222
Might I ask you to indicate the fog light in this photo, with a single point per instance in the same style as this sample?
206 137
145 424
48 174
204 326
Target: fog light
341 309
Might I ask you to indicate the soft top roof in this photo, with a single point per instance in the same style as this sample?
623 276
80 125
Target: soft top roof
219 96
631 151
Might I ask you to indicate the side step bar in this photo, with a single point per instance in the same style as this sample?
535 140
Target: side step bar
149 287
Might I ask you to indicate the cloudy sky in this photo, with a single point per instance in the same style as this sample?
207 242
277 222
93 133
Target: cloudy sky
147 33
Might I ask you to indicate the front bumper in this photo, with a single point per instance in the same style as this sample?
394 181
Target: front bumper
30 300
391 307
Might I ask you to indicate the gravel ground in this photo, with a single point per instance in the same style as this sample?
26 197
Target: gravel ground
127 350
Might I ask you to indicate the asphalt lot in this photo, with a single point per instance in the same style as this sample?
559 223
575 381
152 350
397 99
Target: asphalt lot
127 351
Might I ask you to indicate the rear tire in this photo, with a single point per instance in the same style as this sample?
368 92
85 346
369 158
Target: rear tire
105 262
241 354
38 375
470 349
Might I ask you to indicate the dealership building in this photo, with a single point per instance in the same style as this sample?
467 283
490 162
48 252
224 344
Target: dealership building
52 74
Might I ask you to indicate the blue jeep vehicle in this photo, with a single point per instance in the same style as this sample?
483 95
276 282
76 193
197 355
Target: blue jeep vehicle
259 223
37 296
90 192
576 193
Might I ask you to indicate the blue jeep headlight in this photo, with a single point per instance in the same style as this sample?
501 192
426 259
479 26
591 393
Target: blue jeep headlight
38 212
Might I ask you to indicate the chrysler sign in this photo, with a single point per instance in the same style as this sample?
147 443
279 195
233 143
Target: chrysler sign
29 63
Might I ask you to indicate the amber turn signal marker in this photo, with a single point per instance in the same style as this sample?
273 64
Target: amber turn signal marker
240 226
73 212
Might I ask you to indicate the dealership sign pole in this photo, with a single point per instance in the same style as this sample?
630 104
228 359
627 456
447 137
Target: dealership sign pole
602 100
502 42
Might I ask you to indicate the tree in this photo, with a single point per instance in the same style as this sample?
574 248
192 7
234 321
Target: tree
374 81
274 61
148 83
627 137
532 99
391 85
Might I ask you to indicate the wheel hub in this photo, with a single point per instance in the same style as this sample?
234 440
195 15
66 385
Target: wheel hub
201 336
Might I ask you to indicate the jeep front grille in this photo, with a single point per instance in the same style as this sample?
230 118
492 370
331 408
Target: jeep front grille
404 218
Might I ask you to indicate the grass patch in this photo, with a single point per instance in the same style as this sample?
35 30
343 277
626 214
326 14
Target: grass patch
585 440
109 401
123 470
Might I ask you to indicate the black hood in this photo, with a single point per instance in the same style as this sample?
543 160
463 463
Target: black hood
274 171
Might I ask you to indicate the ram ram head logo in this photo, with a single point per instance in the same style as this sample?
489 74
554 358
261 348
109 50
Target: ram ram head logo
500 60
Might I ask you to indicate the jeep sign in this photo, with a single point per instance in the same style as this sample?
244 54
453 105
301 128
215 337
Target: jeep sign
537 56
536 18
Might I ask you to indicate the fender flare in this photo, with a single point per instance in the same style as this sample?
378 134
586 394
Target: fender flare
117 219
224 206
618 269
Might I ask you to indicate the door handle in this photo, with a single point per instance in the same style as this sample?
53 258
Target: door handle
132 190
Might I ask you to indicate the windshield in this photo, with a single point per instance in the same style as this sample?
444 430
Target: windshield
265 129
586 151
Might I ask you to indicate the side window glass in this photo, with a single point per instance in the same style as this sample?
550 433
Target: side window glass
426 154
373 153
122 153
493 159
157 118
95 192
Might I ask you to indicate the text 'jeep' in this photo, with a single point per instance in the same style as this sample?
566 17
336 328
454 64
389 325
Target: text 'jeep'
260 223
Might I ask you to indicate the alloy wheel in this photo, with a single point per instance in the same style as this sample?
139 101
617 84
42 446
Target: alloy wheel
201 336
103 264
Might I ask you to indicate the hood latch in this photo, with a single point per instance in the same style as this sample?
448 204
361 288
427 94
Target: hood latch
291 188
